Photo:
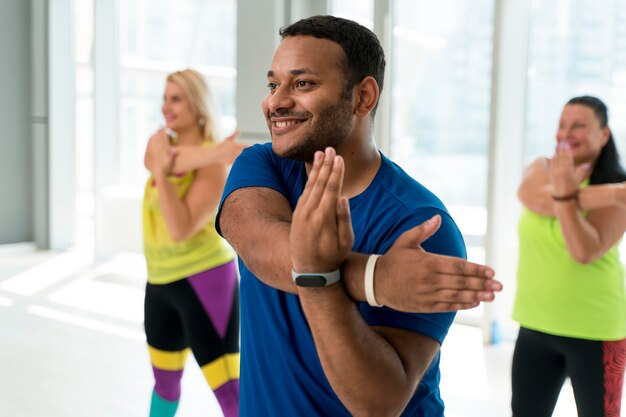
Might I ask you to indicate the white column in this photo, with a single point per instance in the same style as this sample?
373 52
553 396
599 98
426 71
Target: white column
306 8
508 122
257 38
106 117
39 122
61 123
383 28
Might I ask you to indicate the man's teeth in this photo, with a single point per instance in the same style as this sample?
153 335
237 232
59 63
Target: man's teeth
286 123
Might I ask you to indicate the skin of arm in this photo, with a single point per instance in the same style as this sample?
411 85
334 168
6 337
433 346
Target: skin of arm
536 191
587 238
373 370
407 278
257 222
395 349
189 158
185 217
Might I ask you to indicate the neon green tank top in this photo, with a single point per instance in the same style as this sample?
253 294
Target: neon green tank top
560 296
168 260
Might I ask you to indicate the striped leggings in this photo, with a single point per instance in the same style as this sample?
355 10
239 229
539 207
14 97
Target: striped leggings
541 362
201 314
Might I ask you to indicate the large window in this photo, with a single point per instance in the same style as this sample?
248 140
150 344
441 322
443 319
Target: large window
361 11
84 123
440 104
440 81
161 36
143 43
576 47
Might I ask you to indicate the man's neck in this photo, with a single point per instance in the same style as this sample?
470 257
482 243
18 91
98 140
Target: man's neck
362 163
361 159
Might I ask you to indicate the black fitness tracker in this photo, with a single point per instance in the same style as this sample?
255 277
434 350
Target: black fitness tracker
315 279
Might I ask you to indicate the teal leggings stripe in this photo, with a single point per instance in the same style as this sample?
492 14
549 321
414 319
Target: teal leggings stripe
161 407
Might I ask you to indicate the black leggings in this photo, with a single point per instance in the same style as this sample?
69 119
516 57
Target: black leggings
541 362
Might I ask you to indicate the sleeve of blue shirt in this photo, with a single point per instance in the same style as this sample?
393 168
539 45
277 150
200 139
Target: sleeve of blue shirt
446 241
253 168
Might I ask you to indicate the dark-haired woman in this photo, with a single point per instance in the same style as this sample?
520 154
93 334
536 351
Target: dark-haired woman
570 301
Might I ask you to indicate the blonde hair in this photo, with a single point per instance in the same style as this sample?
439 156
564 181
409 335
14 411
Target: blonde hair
200 99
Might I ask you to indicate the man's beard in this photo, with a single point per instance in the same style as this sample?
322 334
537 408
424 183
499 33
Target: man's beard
331 129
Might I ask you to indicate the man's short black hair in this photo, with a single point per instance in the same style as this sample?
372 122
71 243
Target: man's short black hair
364 54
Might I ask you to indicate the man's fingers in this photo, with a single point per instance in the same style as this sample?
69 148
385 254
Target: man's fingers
415 236
452 300
325 170
450 265
318 176
332 189
344 224
445 307
463 296
318 157
464 282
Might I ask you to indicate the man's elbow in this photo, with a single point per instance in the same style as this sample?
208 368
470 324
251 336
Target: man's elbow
377 410
381 406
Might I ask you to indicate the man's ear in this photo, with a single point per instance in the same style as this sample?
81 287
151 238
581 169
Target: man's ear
366 95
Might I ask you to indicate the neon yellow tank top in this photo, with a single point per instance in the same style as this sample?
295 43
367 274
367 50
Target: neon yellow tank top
559 296
168 260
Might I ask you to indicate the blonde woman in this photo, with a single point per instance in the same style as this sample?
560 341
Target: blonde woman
191 300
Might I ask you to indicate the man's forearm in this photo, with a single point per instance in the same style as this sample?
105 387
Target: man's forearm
363 368
256 222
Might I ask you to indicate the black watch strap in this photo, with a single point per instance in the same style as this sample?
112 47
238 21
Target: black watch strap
315 279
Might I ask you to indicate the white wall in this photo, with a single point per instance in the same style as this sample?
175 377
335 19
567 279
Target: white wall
16 162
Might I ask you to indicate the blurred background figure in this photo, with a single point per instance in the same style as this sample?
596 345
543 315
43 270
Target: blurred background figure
570 300
191 300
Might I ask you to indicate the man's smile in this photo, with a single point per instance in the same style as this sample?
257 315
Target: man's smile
280 125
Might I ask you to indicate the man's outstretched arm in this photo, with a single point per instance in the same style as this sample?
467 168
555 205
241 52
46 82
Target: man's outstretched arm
256 221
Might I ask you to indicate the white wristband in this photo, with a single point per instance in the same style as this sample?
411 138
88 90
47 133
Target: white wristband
369 280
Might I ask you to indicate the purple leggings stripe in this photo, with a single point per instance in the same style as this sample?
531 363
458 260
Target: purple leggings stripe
228 397
167 383
215 289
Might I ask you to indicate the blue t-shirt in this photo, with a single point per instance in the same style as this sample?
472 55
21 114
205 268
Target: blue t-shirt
281 374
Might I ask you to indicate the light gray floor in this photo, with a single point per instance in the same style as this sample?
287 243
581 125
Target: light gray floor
71 345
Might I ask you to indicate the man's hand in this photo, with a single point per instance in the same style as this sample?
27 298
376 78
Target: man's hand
321 233
407 278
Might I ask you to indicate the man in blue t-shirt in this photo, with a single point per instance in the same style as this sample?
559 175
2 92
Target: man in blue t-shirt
309 215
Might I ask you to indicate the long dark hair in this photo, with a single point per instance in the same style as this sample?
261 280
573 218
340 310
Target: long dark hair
607 168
